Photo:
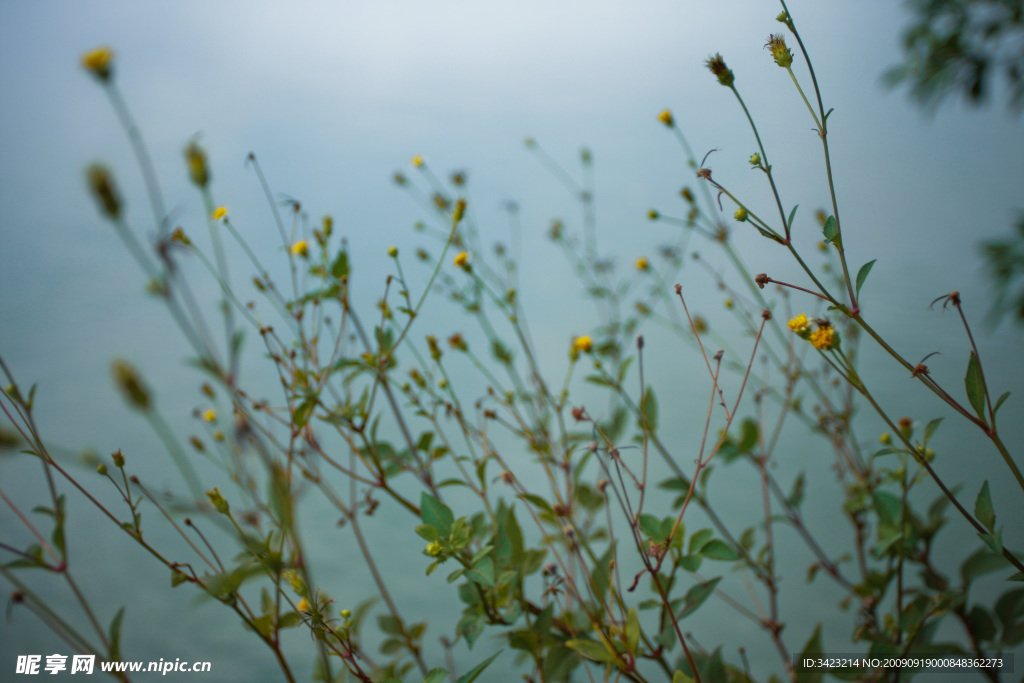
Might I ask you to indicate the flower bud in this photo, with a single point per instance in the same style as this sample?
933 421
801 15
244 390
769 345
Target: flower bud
741 214
780 53
666 118
217 500
130 384
720 70
99 63
101 182
198 171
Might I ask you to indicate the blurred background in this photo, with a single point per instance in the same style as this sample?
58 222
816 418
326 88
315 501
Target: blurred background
335 97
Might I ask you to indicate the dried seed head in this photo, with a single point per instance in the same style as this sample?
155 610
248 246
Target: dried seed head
720 70
780 53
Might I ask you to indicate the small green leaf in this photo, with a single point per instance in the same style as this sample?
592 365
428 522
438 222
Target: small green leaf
696 596
436 513
831 230
649 408
975 384
993 541
436 676
719 550
115 635
301 415
792 215
651 526
632 630
983 508
889 508
796 496
482 573
700 539
537 501
339 268
862 274
929 430
680 677
999 402
592 650
812 650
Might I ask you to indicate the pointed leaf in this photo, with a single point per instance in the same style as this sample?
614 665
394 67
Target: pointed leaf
862 274
792 215
812 650
696 596
649 408
592 650
975 386
719 550
436 513
436 676
983 508
831 229
115 635
999 402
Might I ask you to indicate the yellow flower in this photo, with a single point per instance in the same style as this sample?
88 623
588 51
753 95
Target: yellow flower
219 213
300 248
798 324
209 415
98 62
642 264
303 605
461 258
584 344
823 337
417 161
666 118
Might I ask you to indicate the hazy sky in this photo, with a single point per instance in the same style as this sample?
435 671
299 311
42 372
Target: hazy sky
334 97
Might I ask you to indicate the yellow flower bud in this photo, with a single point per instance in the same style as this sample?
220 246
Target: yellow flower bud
210 415
885 439
642 264
755 159
393 252
583 343
300 248
195 157
741 214
99 62
417 161
217 500
461 258
303 605
666 118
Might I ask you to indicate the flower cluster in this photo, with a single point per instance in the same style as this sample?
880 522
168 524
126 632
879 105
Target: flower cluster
823 336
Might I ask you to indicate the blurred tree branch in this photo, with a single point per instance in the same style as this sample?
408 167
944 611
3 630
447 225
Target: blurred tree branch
959 47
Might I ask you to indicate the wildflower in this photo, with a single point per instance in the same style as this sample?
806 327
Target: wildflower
584 344
457 342
303 605
118 459
799 324
218 501
417 161
210 415
755 159
906 426
666 118
461 258
642 264
130 383
780 53
219 213
99 62
101 182
823 338
393 252
885 439
720 70
300 248
179 236
195 157
741 214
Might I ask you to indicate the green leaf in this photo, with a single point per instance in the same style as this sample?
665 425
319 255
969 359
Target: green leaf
632 630
999 402
482 572
339 268
472 674
982 561
975 386
889 508
700 539
651 526
436 676
812 650
831 230
789 224
115 635
749 435
983 508
436 513
719 550
301 415
680 677
862 274
592 650
796 496
649 408
696 596
993 541
537 501
929 430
